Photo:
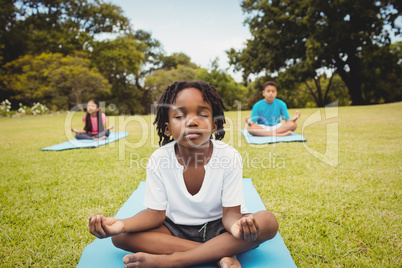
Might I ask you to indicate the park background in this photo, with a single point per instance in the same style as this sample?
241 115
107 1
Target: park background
57 55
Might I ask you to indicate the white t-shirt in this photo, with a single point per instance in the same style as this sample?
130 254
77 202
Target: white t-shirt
222 185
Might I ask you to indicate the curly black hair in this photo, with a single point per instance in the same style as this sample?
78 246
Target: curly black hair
210 95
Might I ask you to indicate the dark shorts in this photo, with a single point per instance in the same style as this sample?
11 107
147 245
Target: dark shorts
197 233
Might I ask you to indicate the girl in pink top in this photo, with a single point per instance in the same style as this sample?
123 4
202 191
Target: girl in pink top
95 123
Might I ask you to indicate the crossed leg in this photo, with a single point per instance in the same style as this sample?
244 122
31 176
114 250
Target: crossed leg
165 250
285 129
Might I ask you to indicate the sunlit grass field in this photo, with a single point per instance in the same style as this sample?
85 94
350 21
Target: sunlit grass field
337 197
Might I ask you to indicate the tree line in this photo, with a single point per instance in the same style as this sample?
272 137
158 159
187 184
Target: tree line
64 52
302 41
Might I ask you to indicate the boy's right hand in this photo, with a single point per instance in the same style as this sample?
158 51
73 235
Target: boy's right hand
102 227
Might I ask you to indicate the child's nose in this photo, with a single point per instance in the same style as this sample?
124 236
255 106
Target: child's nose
191 121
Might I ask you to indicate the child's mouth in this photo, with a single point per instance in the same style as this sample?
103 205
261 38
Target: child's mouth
192 134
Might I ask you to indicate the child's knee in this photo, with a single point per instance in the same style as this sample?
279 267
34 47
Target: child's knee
268 226
250 130
253 129
119 241
292 125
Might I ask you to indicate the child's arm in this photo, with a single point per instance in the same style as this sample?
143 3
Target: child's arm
249 122
104 120
294 118
102 227
242 227
77 131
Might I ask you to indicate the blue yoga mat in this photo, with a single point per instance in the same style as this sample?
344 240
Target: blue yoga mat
75 144
272 253
271 139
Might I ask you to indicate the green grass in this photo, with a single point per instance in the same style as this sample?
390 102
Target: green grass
345 215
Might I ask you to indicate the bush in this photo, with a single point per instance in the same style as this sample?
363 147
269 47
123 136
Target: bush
5 108
36 109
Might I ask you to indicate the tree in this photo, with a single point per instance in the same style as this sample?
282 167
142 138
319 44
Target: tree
310 35
125 61
383 74
54 80
120 61
173 61
62 26
313 92
230 91
178 67
153 54
11 37
165 71
71 26
160 79
46 26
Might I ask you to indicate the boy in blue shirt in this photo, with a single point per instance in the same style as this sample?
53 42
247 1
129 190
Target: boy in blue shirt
266 115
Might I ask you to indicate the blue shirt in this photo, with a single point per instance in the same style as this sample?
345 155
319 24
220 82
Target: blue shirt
269 114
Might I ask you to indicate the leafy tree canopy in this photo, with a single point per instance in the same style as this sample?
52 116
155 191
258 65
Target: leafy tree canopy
309 35
57 81
120 61
63 26
159 80
230 91
176 59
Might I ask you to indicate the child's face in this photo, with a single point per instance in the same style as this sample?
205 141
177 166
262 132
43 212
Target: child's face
190 119
269 93
91 108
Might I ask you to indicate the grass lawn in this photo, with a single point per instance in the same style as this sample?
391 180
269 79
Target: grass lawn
346 213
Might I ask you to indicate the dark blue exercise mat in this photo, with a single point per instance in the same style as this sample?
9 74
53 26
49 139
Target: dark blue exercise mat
75 144
273 253
270 139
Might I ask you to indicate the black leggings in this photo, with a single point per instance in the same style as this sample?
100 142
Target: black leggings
87 136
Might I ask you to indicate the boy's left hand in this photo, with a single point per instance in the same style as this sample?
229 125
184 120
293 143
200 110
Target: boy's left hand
246 228
294 118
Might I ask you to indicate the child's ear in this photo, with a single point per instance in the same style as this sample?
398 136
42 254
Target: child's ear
214 126
167 130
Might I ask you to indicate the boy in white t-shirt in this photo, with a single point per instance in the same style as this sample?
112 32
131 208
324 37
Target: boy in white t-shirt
195 212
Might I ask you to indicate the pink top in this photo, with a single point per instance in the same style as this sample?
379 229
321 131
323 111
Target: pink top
94 122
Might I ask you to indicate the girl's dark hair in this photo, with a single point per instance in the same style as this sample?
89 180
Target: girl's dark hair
88 123
210 95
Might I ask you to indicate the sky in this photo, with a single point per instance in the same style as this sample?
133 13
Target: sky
203 30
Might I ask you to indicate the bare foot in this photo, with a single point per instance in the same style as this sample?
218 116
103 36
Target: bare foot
229 262
111 127
101 138
275 134
145 260
287 133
